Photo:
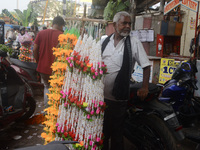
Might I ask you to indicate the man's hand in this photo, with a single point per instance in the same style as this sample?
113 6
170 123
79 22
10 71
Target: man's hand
142 93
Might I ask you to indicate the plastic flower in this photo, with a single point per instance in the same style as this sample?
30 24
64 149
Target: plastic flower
91 142
89 65
101 103
88 116
81 143
92 112
101 72
98 139
85 104
95 105
97 111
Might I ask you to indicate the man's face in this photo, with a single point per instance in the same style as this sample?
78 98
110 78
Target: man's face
123 26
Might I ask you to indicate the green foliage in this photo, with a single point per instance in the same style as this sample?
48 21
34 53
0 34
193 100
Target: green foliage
27 16
6 48
10 15
74 31
113 7
54 8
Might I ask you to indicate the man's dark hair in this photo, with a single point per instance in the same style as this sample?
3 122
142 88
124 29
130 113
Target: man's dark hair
34 28
59 21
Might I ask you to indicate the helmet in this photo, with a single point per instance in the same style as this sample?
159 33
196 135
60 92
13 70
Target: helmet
21 28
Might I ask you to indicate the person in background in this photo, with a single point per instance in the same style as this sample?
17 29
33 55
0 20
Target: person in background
43 53
34 30
10 35
22 30
44 28
119 53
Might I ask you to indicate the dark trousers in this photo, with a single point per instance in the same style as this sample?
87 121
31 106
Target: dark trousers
114 117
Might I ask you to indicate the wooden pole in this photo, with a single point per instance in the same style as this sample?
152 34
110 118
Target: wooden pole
45 12
86 19
196 34
64 7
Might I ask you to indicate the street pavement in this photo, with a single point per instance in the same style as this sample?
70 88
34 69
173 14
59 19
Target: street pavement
24 134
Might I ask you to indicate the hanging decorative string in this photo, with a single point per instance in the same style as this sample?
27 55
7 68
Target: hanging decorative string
67 42
82 105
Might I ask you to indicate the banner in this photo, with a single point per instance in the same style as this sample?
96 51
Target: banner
190 4
167 67
171 5
138 73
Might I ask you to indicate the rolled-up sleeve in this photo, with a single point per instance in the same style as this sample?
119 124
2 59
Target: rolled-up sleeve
138 52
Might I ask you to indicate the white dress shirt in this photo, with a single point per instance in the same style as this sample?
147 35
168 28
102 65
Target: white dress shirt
113 58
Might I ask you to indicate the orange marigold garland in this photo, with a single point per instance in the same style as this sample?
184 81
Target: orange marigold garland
66 45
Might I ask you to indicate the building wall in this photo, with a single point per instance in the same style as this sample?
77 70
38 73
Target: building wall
140 23
188 33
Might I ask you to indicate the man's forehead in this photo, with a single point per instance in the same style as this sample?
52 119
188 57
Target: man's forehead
125 19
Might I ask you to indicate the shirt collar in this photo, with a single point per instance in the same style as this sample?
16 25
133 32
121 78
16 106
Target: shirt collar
112 39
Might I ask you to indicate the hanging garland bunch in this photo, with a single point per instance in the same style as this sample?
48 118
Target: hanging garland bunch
66 45
26 54
82 105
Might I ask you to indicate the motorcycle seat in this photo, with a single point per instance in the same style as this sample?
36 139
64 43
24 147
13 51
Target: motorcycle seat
28 65
153 88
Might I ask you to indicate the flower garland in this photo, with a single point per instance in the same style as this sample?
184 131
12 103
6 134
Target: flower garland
82 105
26 50
65 47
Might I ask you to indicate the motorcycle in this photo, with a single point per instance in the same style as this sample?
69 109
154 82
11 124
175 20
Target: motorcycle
27 70
16 100
179 91
151 124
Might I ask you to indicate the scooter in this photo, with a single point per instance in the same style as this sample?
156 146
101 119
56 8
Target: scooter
16 100
151 124
27 71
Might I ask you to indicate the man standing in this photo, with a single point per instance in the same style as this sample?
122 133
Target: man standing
120 52
43 53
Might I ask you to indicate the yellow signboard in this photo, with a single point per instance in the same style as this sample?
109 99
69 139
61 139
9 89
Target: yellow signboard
167 67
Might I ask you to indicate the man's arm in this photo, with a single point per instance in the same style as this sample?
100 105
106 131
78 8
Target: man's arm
36 52
143 92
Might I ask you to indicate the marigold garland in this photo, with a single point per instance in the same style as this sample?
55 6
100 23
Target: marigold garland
67 43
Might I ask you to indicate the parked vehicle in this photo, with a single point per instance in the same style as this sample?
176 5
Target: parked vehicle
15 49
179 91
27 70
151 124
16 101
